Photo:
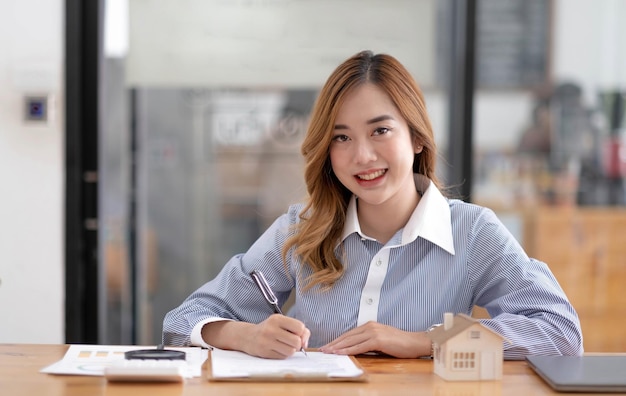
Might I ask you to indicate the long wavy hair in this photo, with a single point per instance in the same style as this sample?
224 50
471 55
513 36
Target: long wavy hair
322 219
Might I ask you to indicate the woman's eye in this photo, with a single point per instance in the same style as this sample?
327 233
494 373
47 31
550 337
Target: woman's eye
381 131
340 138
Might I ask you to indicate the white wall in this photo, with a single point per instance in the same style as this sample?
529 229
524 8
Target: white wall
31 174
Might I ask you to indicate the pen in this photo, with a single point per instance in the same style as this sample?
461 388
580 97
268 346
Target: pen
269 295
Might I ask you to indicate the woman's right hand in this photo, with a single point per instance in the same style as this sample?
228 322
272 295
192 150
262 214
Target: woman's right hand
277 337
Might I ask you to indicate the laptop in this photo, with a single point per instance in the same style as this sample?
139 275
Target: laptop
589 373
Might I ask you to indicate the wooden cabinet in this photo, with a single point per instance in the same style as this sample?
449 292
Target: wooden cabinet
586 250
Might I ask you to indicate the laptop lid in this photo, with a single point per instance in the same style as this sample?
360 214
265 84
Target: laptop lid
589 373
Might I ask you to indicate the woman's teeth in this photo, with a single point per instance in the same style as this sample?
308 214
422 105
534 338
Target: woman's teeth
372 176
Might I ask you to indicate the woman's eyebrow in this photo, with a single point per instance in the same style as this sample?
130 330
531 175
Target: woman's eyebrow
380 118
374 120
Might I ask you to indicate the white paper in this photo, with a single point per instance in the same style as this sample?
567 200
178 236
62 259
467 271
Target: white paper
233 364
93 359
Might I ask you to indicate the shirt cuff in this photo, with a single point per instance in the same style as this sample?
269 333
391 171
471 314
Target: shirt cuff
196 332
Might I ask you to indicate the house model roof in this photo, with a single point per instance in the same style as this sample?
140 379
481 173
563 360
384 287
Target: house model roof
439 334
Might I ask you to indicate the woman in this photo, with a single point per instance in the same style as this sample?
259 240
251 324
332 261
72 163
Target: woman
377 254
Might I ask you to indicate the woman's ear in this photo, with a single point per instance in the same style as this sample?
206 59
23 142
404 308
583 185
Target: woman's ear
417 145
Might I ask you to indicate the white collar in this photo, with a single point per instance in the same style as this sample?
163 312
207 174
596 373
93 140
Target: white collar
430 220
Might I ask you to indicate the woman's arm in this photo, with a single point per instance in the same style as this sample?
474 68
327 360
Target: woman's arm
526 304
377 337
233 296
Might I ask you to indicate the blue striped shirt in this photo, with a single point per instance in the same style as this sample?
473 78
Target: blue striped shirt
450 256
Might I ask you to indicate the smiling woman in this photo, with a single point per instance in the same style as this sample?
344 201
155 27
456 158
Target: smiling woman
377 254
390 93
372 154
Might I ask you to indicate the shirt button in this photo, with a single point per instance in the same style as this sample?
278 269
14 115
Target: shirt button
370 301
378 263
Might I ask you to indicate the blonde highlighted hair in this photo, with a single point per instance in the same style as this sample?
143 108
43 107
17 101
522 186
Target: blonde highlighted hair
322 219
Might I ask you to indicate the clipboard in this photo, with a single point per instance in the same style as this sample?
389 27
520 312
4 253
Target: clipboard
234 366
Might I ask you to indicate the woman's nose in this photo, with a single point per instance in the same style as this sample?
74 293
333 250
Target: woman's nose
364 152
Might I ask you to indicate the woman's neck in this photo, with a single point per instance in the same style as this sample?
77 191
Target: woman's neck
383 221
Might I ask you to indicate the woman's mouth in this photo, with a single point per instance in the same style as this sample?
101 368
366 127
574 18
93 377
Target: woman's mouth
372 176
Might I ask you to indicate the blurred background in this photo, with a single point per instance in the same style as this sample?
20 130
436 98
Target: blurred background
201 106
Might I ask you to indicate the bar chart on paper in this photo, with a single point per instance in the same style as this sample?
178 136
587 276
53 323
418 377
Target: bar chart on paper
94 359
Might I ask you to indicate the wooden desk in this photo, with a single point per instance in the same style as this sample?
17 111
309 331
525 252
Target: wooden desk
585 249
20 365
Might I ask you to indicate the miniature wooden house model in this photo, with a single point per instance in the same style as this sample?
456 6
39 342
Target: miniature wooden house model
465 350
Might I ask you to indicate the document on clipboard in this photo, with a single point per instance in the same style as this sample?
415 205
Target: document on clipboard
316 366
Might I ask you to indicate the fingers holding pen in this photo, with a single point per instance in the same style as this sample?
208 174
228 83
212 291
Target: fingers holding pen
294 327
286 335
279 337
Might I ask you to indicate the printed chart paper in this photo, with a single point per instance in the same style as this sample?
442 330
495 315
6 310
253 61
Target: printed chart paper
93 359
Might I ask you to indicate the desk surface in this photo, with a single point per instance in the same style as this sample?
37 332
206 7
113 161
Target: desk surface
20 365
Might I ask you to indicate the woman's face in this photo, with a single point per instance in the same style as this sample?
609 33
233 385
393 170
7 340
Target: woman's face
372 150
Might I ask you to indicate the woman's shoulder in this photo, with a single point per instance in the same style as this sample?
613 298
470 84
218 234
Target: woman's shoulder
295 209
463 206
292 215
284 223
473 219
468 210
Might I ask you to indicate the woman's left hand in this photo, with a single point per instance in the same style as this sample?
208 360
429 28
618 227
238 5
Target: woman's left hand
376 337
